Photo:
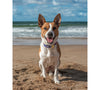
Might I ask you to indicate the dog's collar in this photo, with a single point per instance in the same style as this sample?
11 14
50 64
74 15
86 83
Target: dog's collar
48 46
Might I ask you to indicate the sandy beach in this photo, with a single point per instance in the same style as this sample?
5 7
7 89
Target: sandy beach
26 73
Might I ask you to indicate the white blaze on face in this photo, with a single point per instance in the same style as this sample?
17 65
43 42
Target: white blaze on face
50 30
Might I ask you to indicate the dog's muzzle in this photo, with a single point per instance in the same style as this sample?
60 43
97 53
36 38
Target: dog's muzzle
50 38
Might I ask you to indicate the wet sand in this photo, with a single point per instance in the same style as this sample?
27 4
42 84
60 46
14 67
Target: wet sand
62 41
26 73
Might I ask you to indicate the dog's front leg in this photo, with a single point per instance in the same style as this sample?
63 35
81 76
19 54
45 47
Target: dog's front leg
56 76
41 64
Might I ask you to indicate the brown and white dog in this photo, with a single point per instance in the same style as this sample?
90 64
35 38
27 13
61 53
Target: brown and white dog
49 52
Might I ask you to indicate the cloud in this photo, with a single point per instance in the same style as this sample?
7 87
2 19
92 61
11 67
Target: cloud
82 14
14 11
34 1
54 2
18 2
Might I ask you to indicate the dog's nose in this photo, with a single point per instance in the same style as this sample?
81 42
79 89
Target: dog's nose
50 34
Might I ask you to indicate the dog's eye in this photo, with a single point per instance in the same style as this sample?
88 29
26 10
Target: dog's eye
45 28
54 28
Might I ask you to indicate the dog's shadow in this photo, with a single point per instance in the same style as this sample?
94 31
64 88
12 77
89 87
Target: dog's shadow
73 74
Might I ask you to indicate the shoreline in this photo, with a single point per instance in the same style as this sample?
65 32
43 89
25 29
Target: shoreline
62 41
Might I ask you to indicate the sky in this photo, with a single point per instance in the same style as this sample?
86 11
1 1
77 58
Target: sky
70 10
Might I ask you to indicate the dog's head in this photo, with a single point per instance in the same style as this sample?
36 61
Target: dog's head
49 31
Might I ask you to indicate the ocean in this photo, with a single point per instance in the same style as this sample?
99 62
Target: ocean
30 30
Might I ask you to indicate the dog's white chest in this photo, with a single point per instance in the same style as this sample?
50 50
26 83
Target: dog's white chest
50 56
49 53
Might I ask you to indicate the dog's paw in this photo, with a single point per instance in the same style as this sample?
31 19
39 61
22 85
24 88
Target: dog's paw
57 82
50 73
59 74
43 75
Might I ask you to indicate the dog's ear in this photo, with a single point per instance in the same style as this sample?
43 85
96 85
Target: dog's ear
57 19
41 20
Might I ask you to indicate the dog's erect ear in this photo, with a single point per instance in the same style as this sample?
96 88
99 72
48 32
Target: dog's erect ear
41 20
57 19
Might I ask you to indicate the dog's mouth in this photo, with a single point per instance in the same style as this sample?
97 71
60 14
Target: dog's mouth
50 39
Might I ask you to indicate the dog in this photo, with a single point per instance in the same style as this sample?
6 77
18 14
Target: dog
49 51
